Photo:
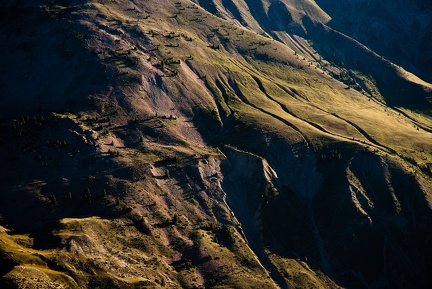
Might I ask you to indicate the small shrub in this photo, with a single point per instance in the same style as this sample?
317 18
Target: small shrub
175 219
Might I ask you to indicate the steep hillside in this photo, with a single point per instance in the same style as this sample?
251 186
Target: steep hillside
342 35
398 30
207 144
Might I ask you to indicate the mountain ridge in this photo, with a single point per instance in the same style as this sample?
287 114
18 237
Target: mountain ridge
158 145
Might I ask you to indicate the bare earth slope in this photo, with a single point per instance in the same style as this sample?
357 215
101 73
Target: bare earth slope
208 144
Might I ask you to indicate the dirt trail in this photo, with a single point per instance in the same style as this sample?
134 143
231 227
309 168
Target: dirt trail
317 126
239 93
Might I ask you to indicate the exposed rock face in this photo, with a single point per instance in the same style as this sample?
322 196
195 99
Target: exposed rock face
351 216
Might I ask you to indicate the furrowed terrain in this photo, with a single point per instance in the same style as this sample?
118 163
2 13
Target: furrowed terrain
213 144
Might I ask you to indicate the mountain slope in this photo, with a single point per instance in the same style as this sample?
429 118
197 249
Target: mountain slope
308 29
213 144
398 30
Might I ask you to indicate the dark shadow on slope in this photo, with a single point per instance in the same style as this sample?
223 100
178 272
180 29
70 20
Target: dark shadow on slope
398 30
329 232
344 51
244 185
280 19
209 6
256 8
55 173
382 247
232 8
6 264
44 62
